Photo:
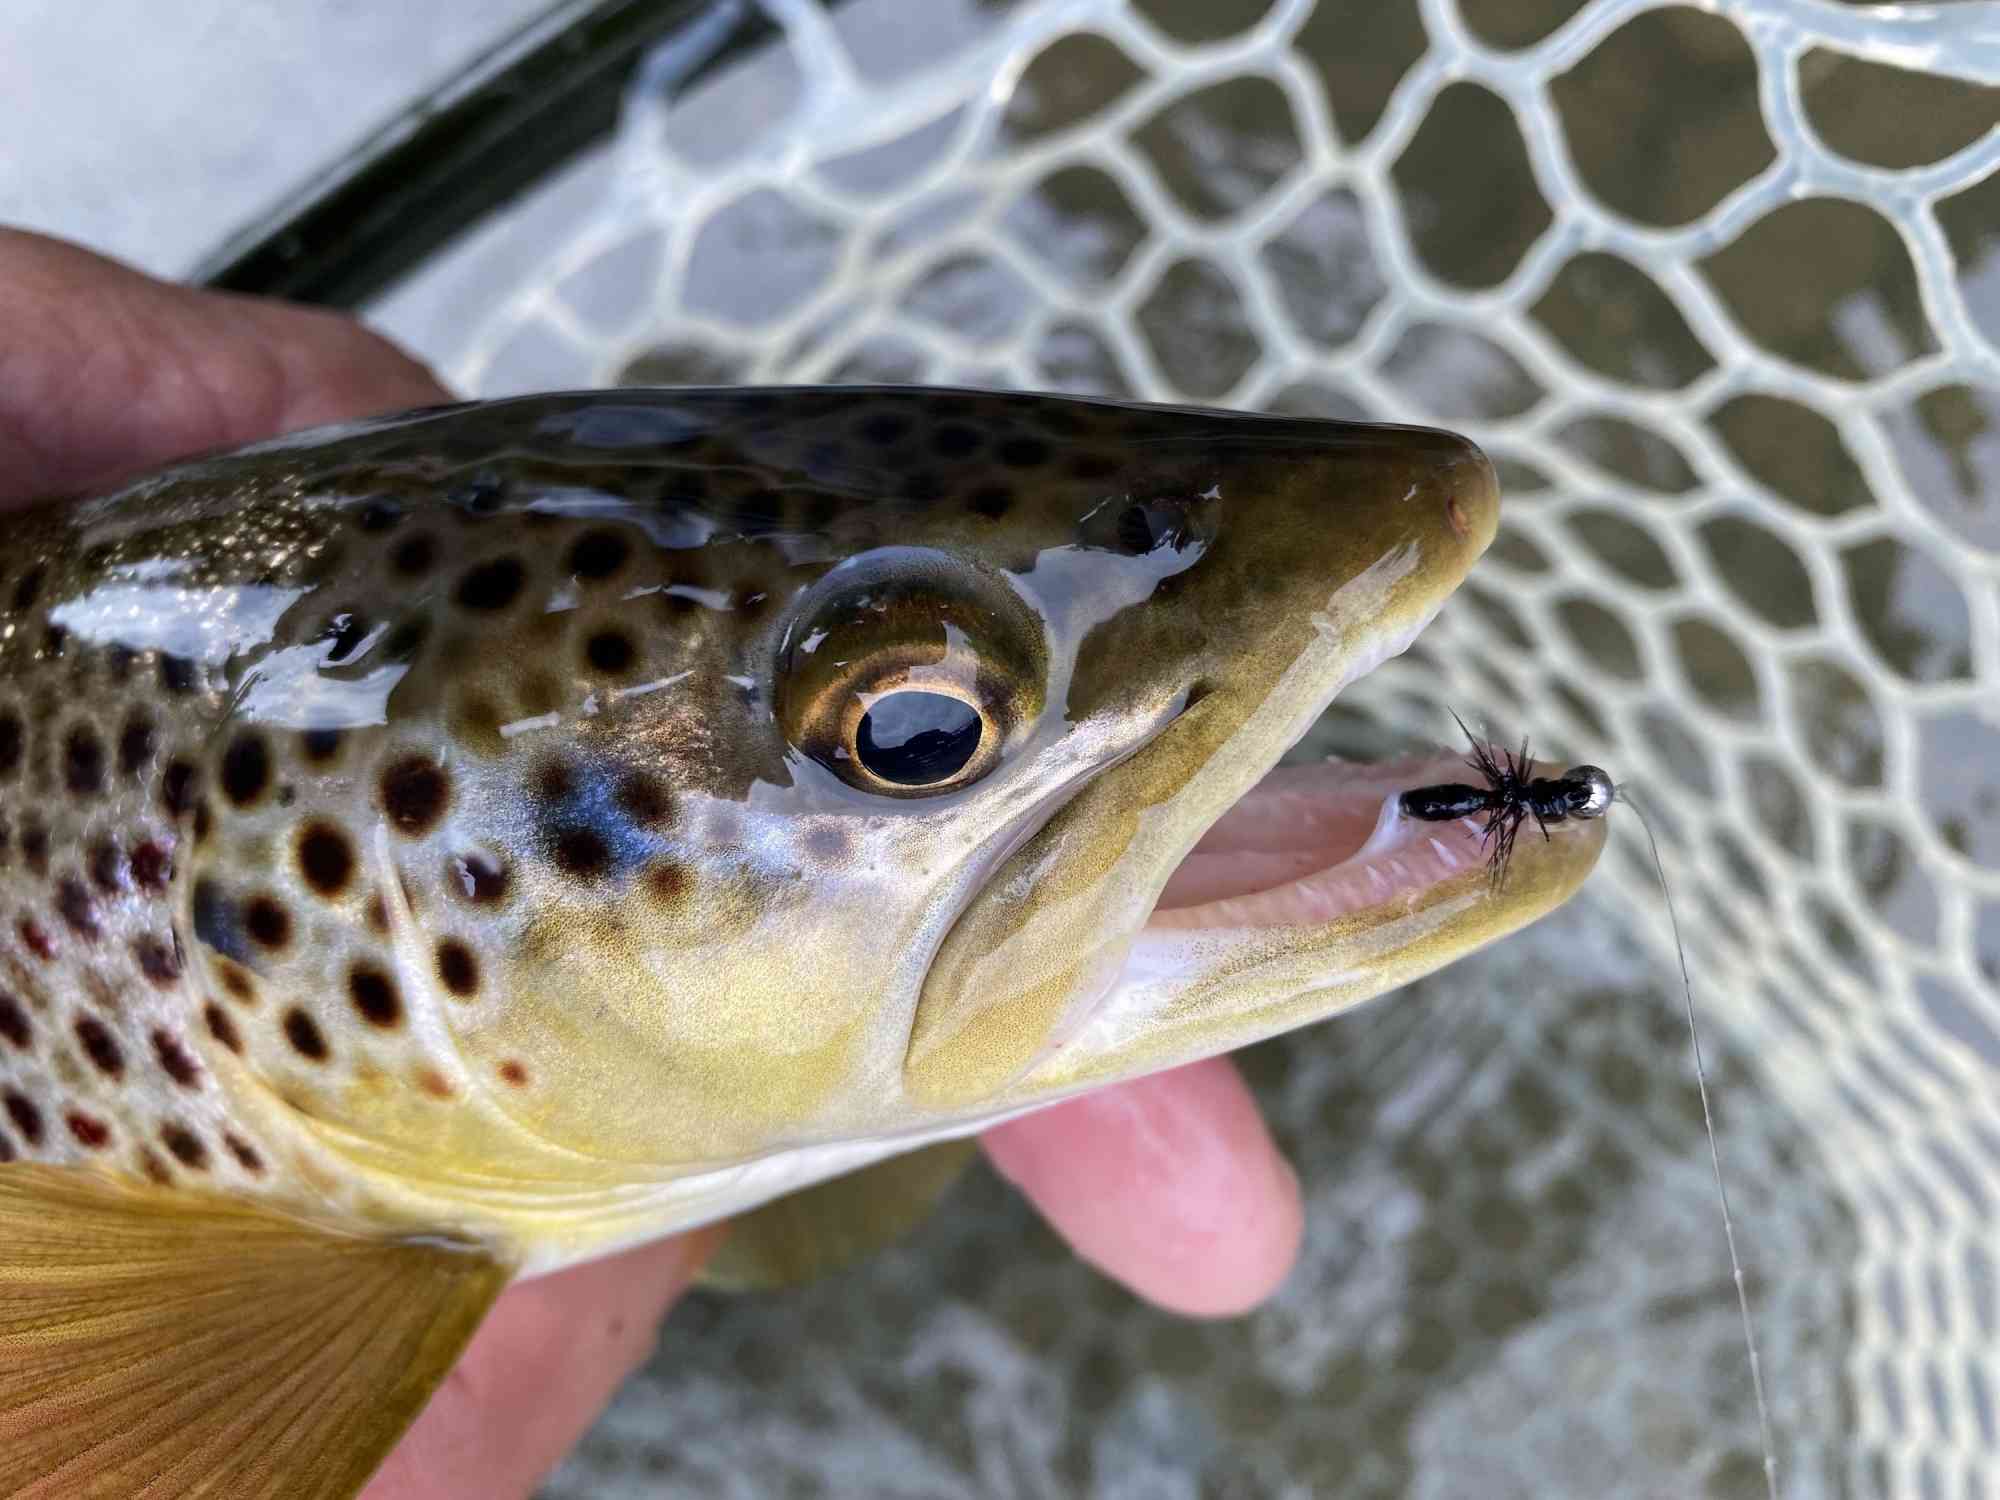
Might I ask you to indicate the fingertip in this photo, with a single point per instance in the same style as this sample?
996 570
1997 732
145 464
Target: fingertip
1171 1184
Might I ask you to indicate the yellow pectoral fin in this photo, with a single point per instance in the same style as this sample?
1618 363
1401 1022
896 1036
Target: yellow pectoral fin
161 1344
827 1227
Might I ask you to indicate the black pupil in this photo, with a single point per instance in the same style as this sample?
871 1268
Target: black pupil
917 739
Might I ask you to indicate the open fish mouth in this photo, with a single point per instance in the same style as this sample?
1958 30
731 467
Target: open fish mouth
1314 893
1311 843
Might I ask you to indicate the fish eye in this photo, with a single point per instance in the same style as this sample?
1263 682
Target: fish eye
910 675
916 738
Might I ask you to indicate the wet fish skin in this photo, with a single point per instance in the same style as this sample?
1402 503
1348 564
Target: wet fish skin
451 846
429 822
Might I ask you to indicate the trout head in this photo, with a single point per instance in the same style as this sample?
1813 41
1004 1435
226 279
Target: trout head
679 795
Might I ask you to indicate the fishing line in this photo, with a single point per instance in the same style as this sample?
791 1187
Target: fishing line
1714 1152
1511 794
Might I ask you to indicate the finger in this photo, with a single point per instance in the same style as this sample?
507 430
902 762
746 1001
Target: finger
105 371
537 1374
1170 1183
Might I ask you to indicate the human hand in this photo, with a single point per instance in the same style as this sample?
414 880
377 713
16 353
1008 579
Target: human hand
1170 1184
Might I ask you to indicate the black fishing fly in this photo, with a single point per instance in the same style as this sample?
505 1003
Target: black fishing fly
1510 797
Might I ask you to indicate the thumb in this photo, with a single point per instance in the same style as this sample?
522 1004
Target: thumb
105 371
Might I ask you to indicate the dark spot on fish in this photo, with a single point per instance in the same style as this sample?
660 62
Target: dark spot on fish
29 589
13 741
645 799
458 970
434 1083
204 822
26 1115
237 981
303 1032
155 1169
581 852
479 879
609 651
217 921
136 745
555 781
598 554
35 938
100 1046
246 769
152 866
1023 453
245 1154
107 867
158 960
379 516
514 1073
374 995
414 556
186 1146
83 762
492 585
991 501
175 1060
326 859
14 1024
88 1130
882 428
414 793
177 786
177 675
669 881
75 907
268 921
6 1148
221 1027
35 847
955 440
320 745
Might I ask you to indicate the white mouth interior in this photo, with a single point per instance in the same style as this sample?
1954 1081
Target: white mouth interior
1311 843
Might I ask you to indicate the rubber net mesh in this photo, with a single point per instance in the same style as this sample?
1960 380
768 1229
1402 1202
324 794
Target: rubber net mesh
1720 291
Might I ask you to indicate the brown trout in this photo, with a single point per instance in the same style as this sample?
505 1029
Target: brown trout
448 847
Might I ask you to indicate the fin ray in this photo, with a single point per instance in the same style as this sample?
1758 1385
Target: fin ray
830 1225
162 1344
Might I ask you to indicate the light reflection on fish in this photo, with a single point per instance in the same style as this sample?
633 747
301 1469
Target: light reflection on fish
450 847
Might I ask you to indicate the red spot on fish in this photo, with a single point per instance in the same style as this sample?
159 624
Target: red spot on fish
35 938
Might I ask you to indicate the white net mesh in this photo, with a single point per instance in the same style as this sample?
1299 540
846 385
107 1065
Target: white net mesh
1720 289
